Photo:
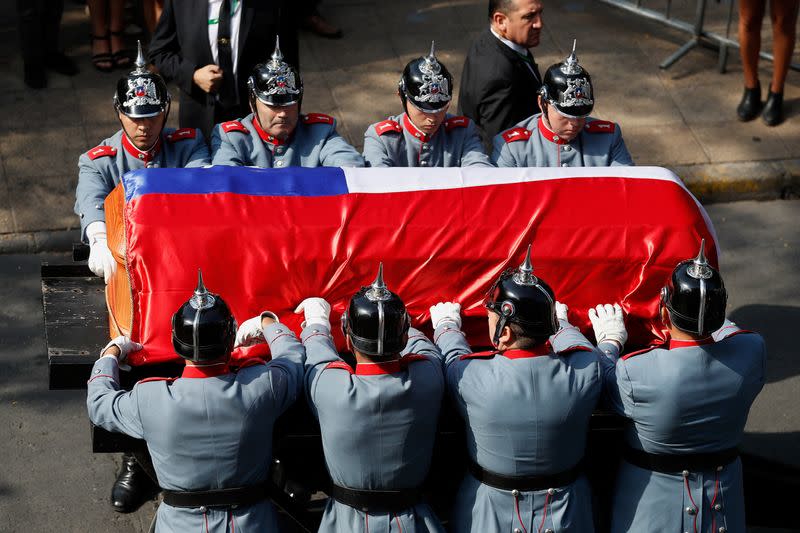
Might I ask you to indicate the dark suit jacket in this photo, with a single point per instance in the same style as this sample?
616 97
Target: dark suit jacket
180 46
498 89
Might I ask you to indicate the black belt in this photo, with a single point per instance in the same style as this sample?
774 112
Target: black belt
376 500
234 497
674 463
524 483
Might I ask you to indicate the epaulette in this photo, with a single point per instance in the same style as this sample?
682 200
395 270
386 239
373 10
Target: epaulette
479 355
252 362
640 352
181 134
101 151
575 348
412 358
516 134
388 126
317 118
148 380
733 334
601 126
456 122
340 365
234 125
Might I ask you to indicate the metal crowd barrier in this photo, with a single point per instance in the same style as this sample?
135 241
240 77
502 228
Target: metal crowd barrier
695 29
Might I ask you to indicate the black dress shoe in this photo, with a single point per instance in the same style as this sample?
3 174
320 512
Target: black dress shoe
35 77
773 109
132 488
750 105
60 63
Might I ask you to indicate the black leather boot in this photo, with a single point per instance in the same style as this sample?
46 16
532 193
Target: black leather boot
773 109
750 105
132 488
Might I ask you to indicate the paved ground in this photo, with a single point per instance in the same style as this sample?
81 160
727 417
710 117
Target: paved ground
50 480
683 118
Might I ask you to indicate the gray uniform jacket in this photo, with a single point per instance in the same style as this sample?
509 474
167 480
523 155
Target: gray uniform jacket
100 169
527 414
315 143
378 424
531 144
684 398
209 429
396 142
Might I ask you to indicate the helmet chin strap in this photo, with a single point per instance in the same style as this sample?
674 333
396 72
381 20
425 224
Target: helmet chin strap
158 137
498 330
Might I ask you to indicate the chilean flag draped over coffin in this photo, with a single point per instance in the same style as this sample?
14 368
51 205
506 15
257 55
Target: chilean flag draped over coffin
266 239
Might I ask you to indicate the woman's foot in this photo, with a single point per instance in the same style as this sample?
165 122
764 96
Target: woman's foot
750 105
101 53
773 109
119 54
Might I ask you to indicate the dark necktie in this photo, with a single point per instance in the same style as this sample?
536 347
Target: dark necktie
227 92
528 58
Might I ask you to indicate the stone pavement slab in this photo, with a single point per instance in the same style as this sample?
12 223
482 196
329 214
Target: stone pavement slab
682 118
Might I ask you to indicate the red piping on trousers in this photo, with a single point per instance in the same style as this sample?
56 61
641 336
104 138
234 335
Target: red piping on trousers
399 527
544 516
694 505
714 499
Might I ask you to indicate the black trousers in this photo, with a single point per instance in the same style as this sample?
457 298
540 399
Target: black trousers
39 26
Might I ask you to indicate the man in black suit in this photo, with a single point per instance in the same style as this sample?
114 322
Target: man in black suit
500 80
209 47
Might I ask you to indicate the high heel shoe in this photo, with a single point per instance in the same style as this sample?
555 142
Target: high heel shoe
102 61
773 109
750 105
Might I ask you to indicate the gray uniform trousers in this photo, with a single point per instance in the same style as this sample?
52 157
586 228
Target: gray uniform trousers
378 424
314 143
206 433
531 144
527 414
684 398
396 142
100 169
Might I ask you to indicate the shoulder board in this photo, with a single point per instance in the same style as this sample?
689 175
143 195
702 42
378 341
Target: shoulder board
737 332
181 134
317 118
479 355
341 365
601 126
252 362
234 125
149 380
101 151
576 348
639 352
412 358
388 126
456 122
516 134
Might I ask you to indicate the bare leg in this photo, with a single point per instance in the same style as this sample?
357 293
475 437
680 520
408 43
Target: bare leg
98 20
116 20
152 12
784 34
751 14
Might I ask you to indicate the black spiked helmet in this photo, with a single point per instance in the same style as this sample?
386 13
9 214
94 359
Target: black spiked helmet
376 320
141 94
426 83
520 297
695 296
203 329
275 82
568 87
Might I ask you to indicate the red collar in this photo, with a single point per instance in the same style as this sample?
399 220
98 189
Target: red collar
266 137
378 369
191 371
680 343
549 135
141 155
537 351
413 130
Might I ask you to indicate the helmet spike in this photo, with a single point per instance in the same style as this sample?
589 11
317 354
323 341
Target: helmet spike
433 49
700 269
201 288
701 255
277 56
571 65
524 274
378 290
379 283
140 63
526 265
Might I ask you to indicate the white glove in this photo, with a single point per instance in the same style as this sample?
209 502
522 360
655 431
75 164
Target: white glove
317 311
125 345
561 315
446 312
727 328
251 332
101 262
608 324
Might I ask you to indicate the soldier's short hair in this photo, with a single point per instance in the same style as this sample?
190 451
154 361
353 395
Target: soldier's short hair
524 340
503 6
